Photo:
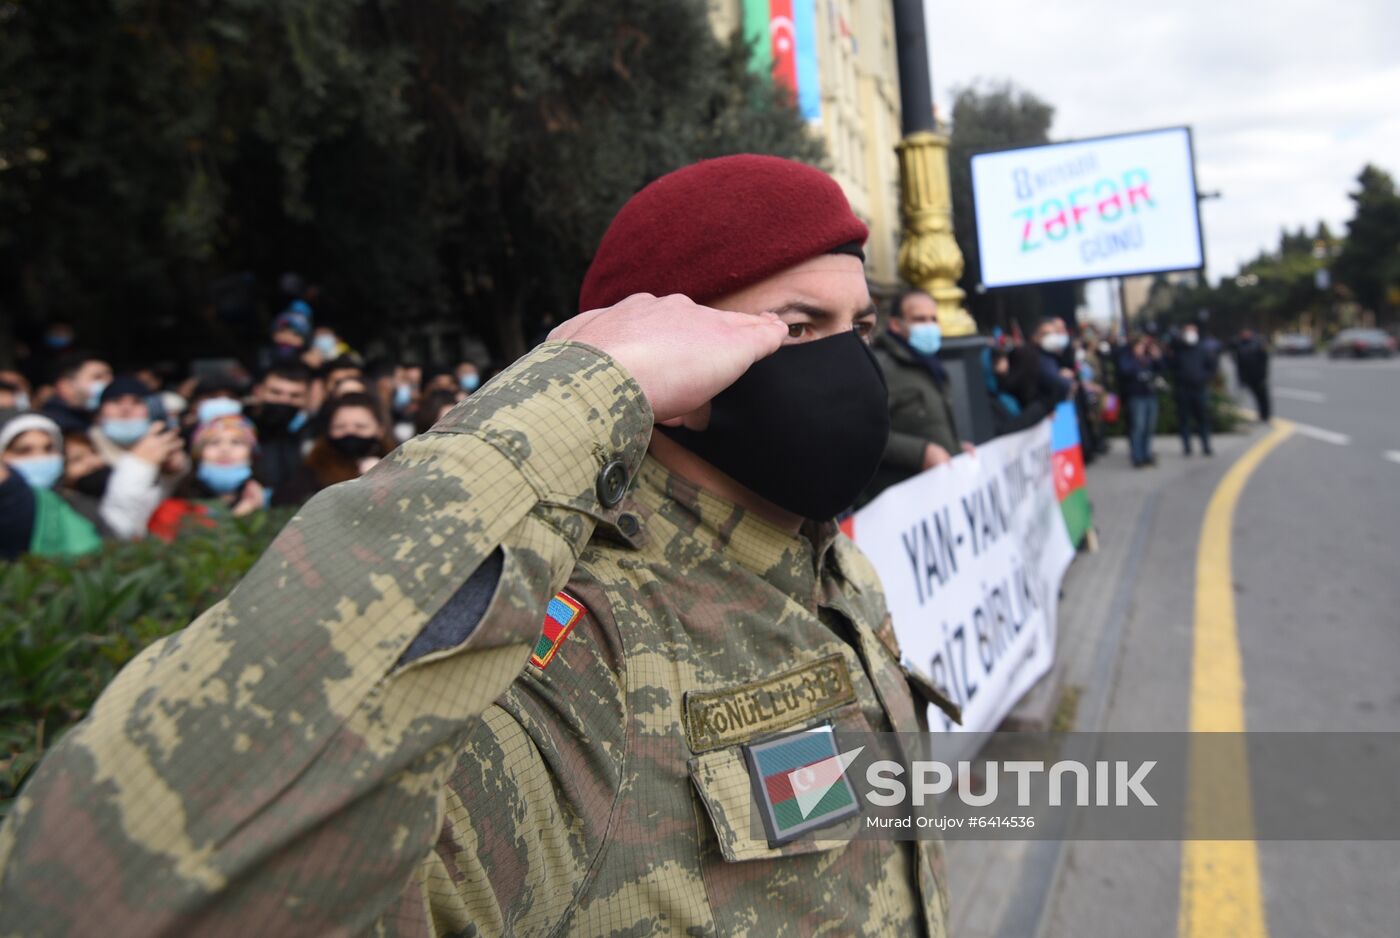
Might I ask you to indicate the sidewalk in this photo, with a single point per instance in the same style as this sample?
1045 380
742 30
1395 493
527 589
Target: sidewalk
1002 889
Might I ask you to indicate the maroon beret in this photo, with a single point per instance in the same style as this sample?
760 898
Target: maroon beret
718 226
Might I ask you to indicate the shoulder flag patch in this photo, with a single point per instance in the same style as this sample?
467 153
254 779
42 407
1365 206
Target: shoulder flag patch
560 617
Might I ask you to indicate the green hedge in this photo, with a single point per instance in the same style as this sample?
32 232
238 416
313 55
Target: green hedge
67 627
1224 415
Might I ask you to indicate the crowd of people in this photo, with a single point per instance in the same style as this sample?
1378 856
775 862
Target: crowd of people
1109 378
92 455
1024 381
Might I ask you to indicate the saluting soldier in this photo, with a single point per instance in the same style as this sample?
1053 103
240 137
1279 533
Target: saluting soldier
534 673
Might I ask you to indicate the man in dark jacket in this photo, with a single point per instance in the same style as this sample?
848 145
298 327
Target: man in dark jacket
923 432
279 412
77 388
1192 367
1051 339
1252 366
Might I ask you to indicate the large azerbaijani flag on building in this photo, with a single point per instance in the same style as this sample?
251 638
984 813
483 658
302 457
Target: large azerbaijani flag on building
1067 463
783 37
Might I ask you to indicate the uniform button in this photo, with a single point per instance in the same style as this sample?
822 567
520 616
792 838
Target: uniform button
612 483
628 524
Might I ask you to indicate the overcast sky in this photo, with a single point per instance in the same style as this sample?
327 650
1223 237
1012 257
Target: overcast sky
1287 99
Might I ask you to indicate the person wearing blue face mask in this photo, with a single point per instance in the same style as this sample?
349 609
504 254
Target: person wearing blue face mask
58 337
148 459
14 392
123 415
326 342
214 396
212 408
468 377
35 515
78 388
222 483
923 431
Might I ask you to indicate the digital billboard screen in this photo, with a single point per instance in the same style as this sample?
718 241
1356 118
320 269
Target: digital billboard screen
1102 207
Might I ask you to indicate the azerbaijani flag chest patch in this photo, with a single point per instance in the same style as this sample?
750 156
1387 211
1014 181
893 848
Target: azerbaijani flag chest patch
560 617
800 784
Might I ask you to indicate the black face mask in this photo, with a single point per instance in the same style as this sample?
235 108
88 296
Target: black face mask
274 419
355 447
94 483
804 428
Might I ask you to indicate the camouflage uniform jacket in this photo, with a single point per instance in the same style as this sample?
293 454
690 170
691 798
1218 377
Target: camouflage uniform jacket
299 761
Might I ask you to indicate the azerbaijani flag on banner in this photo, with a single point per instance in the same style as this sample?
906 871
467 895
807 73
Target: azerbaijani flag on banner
1067 464
783 37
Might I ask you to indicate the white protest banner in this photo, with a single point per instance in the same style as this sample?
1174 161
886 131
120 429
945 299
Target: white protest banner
971 555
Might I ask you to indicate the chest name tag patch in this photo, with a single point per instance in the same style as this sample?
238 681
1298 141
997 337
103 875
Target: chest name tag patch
560 616
715 719
800 783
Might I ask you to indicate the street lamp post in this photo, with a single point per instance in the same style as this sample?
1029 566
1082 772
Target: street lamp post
929 257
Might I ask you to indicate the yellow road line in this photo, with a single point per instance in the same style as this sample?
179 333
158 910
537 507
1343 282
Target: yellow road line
1220 893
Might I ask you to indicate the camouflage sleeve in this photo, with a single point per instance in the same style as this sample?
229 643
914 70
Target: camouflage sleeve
275 768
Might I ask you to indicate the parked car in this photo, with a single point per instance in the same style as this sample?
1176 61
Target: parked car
1295 343
1361 343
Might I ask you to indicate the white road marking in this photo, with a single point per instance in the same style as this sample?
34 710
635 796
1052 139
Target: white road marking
1326 436
1392 454
1298 394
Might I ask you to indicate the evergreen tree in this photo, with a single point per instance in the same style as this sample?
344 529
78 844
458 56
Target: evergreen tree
994 116
442 160
1369 262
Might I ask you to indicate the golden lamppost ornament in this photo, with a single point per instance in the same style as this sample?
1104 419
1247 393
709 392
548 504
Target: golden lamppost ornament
929 257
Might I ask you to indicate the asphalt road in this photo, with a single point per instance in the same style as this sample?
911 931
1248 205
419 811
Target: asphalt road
1315 560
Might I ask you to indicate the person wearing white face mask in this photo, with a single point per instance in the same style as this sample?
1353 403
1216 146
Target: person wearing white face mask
1192 367
1056 380
923 431
35 516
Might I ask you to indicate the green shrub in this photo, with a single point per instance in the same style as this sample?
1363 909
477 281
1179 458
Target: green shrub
1224 415
66 627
